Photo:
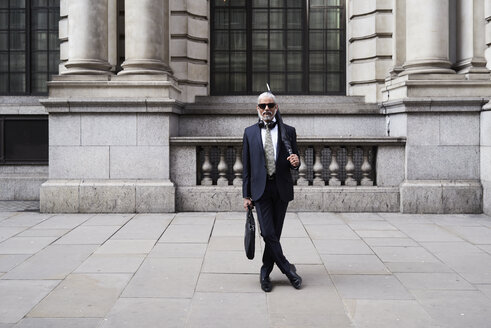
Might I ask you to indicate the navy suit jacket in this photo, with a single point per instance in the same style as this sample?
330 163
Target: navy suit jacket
254 172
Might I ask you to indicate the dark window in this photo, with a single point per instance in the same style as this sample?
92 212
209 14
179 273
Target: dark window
296 46
29 45
23 140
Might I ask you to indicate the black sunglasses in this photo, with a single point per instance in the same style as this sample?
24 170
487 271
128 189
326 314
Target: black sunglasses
263 106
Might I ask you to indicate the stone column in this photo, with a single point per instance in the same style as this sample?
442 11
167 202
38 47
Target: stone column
398 36
485 121
145 37
471 42
427 37
87 37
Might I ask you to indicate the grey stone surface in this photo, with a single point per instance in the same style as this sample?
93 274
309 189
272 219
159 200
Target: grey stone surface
59 196
43 233
107 196
404 254
381 241
300 250
139 162
7 232
390 165
53 262
330 232
459 129
230 262
64 130
228 283
144 226
231 307
25 245
88 235
417 267
24 220
132 246
148 312
179 250
111 263
353 264
152 129
384 287
320 218
108 129
108 220
165 277
455 308
337 246
77 162
186 233
82 296
59 323
155 196
8 262
385 313
183 165
20 296
433 281
63 221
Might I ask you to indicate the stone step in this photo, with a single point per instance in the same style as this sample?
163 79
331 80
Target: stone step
303 105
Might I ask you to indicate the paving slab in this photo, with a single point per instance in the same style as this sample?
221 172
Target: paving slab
145 226
229 283
371 225
43 233
486 248
228 243
485 289
20 296
82 296
231 215
381 241
393 313
231 262
59 323
126 247
320 218
382 287
360 216
189 218
187 233
434 281
421 267
330 246
25 245
229 228
456 309
88 235
179 250
111 263
300 251
25 220
8 262
322 231
312 274
165 277
235 310
474 235
53 262
7 232
108 219
404 254
63 221
456 220
148 312
7 214
354 264
380 234
428 232
293 228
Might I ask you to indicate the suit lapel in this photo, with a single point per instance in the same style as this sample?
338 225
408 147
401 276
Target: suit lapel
258 140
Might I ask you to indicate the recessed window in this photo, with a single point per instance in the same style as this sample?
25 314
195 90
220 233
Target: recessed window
296 46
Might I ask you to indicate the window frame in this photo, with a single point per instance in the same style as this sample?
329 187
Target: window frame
305 51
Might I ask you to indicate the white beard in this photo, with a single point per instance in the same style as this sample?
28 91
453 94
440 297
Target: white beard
266 117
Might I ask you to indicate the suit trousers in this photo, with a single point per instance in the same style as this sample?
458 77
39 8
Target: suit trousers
271 212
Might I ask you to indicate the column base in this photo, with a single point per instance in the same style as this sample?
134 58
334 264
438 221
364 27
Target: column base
107 196
93 66
144 66
441 196
431 66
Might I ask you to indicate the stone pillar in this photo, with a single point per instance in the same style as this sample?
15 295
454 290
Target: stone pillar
87 35
485 123
427 37
471 42
398 36
146 44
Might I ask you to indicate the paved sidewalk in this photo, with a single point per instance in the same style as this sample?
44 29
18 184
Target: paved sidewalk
189 270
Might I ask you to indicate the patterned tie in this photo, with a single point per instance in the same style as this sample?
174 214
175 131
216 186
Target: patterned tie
269 153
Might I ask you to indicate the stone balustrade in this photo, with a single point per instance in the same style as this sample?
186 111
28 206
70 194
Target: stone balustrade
324 161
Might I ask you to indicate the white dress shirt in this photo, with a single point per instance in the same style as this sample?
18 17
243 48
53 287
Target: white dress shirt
274 137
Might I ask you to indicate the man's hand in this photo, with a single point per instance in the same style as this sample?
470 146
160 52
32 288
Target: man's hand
293 158
247 203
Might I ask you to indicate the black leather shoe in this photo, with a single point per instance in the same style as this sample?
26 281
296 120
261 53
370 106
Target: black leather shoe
266 284
294 278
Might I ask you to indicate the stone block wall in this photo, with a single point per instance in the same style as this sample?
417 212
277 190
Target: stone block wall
369 36
189 43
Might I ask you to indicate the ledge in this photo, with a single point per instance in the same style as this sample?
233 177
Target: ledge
366 141
434 104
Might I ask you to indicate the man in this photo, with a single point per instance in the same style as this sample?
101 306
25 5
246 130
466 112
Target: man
268 184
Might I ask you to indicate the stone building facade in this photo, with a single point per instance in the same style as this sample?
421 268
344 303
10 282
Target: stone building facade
390 99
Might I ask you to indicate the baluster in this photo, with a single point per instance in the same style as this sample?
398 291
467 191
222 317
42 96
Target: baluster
302 170
206 168
318 181
334 167
366 169
222 168
238 167
350 167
